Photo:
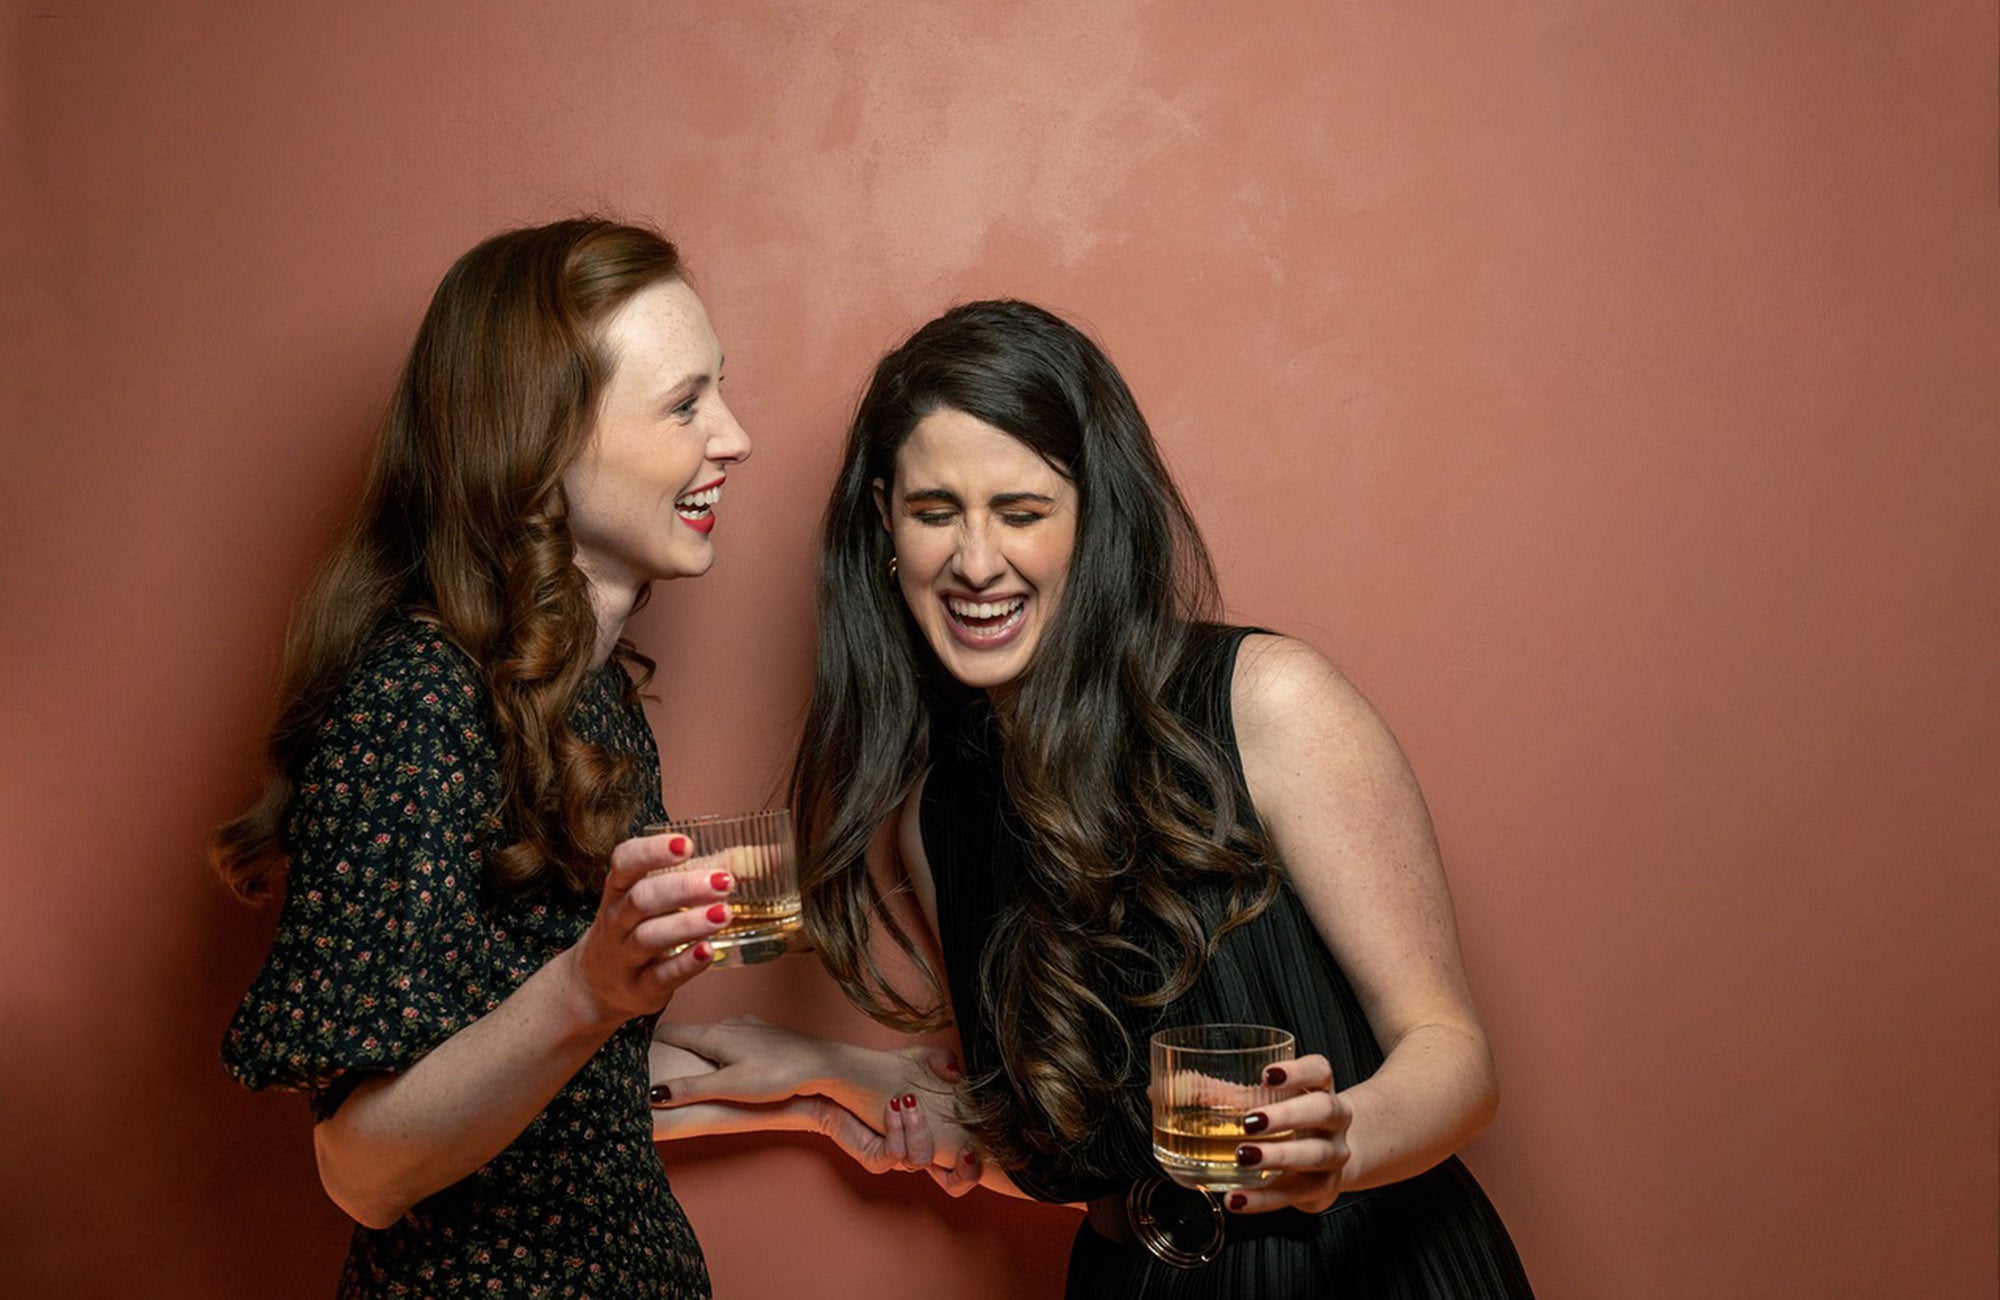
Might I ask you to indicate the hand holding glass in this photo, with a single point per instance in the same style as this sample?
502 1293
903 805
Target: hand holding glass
1206 1078
755 848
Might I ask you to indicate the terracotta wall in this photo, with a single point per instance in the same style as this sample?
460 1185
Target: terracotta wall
1609 387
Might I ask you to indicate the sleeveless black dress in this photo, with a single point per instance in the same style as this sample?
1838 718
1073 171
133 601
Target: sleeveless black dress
1430 1237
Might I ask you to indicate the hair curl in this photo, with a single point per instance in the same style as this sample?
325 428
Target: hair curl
463 521
1124 802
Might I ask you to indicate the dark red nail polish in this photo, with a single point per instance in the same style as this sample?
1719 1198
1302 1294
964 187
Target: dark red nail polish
679 844
719 881
660 1094
895 1103
1238 1200
909 1101
702 952
718 913
1256 1122
968 1160
1248 1155
1274 1075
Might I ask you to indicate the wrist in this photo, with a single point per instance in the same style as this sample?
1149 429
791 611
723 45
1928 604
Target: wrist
851 1076
582 1013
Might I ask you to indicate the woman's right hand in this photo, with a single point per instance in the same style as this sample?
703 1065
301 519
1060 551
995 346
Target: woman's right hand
647 910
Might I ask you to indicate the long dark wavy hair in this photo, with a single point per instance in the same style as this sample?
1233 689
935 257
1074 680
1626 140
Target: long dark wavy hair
463 521
1125 804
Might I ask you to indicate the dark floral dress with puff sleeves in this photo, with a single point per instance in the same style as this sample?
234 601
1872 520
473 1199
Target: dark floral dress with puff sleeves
387 946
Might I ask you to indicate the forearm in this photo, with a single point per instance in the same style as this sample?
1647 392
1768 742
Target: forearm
399 1138
1434 1092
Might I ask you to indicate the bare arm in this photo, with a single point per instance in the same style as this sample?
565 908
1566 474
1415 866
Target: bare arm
398 1138
771 1078
1343 809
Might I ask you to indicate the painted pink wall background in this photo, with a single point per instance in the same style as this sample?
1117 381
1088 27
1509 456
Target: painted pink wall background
1610 388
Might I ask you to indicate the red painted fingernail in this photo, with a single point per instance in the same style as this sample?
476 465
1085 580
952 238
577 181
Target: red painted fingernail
702 952
968 1159
909 1101
1238 1200
1273 1075
1248 1155
719 882
680 844
895 1103
719 913
660 1094
1256 1122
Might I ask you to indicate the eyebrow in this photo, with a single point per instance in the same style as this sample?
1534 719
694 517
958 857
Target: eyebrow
1001 499
690 385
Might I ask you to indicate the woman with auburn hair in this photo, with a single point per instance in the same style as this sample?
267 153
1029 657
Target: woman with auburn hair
473 946
1037 770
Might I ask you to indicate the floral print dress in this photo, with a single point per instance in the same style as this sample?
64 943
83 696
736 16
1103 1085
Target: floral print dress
386 947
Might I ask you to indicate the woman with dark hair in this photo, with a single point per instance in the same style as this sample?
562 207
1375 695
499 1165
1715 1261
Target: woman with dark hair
473 946
1116 816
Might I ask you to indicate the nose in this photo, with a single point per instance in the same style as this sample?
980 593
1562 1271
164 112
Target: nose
978 560
727 442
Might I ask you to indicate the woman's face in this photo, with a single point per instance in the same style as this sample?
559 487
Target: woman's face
642 495
983 529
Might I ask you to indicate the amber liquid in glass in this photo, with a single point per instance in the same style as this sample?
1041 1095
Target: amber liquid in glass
1196 1147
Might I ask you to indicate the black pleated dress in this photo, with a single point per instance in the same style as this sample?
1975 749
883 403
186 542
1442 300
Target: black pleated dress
1430 1237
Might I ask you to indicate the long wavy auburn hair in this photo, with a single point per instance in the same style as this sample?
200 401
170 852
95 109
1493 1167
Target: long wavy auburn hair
1125 804
463 521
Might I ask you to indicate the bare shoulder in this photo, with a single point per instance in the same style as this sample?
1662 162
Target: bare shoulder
1291 703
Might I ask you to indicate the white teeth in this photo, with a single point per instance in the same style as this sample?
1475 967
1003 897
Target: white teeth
699 500
984 608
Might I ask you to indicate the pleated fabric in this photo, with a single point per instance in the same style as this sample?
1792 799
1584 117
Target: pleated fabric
1428 1238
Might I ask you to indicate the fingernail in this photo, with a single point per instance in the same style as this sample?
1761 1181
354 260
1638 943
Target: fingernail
895 1103
1256 1122
718 913
1248 1155
660 1094
679 844
1238 1200
909 1101
1273 1075
719 881
968 1160
702 952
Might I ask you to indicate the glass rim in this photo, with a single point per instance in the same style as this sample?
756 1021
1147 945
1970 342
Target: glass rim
710 819
1275 1038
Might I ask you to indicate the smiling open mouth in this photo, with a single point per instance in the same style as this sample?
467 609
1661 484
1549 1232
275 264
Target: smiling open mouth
986 618
697 506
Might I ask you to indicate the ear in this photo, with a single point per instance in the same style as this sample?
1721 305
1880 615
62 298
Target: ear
882 504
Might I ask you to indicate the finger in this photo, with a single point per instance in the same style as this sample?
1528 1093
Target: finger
867 1147
1318 1155
1309 1192
895 1141
672 890
1296 1076
634 859
658 934
959 1178
917 1139
669 973
1321 1113
941 1061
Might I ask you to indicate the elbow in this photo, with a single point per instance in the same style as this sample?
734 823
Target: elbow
1486 1094
359 1197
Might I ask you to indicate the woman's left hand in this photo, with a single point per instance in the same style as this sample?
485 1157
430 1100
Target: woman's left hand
1312 1152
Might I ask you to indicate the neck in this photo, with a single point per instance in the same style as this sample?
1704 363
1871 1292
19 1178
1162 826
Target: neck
612 602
